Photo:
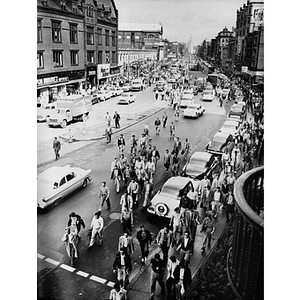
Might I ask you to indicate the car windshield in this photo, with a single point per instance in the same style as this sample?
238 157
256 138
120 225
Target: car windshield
207 92
198 161
170 190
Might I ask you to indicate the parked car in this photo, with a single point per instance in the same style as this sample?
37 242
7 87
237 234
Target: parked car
235 118
126 98
186 101
208 95
137 85
126 87
104 95
116 91
219 141
200 164
168 197
43 113
57 182
230 127
193 110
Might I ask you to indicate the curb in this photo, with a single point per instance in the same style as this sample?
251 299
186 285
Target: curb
101 137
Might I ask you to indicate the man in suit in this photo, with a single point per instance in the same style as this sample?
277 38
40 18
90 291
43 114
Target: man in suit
56 148
145 239
186 247
126 242
164 240
122 265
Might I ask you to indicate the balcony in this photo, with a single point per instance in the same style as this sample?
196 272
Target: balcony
246 256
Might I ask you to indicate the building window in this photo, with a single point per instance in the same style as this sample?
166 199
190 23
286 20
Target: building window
106 37
100 55
39 31
40 60
74 58
99 36
113 36
89 11
56 32
90 36
63 4
57 58
107 58
113 57
74 8
73 34
151 36
90 57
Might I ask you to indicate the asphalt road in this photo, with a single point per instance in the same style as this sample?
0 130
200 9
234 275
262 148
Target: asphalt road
55 279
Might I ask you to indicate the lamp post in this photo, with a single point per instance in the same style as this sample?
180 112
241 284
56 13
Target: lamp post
84 115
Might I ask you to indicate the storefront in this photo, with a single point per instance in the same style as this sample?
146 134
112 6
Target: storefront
91 76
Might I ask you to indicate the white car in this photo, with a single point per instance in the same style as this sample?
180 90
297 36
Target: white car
57 182
126 98
168 198
116 91
104 95
44 113
208 95
194 111
184 103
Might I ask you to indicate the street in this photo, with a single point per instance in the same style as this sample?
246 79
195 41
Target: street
92 276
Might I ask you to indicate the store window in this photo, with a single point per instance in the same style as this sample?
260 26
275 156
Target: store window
90 57
40 60
39 31
90 36
113 36
73 34
74 58
56 31
57 58
106 37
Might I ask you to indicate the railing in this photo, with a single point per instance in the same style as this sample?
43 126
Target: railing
245 258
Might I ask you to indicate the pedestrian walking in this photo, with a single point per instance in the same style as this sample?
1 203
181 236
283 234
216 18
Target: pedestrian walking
208 227
145 240
76 220
108 133
108 119
156 94
122 266
177 146
172 131
104 196
147 192
126 219
157 124
96 229
183 281
118 293
56 147
133 144
229 205
164 240
126 242
176 114
121 143
186 247
164 119
133 189
157 274
167 160
173 272
117 119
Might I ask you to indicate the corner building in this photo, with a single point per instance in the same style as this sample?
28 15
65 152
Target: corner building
73 37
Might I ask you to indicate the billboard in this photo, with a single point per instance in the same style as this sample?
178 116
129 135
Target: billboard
103 70
257 16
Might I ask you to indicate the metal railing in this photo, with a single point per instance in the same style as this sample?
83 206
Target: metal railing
245 258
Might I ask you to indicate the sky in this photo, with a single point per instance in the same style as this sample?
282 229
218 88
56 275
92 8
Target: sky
181 19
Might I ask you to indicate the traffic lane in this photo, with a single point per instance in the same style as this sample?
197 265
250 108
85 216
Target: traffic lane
184 128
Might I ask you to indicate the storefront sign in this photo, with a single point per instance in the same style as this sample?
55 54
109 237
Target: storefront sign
244 69
50 80
40 82
239 45
63 79
92 73
103 70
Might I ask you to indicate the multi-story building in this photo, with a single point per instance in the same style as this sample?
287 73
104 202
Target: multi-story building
73 36
139 42
250 21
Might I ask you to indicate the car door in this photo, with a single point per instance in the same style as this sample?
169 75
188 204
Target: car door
63 187
73 182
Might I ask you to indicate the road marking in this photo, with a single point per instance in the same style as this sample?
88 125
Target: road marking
40 256
68 268
111 284
96 278
82 274
52 261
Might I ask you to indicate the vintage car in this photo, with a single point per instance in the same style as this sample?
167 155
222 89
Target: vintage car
200 164
116 91
208 95
126 87
168 197
104 95
230 127
235 118
57 182
218 142
193 110
126 98
43 113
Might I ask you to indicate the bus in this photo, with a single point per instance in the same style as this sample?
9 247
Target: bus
213 79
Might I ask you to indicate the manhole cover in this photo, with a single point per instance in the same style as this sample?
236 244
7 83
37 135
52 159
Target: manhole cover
115 216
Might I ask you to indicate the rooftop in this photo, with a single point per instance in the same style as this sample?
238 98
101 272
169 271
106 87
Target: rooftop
140 27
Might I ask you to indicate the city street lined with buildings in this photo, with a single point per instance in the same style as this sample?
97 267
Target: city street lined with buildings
143 145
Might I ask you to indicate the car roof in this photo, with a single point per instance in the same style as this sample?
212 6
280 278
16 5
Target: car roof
55 173
178 182
201 155
194 105
220 136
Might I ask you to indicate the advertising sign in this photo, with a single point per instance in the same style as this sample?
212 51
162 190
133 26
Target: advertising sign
257 18
239 45
103 70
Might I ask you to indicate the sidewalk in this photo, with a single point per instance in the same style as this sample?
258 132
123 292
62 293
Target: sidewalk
93 133
139 286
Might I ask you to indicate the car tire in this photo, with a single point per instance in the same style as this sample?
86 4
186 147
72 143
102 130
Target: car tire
64 123
161 209
85 183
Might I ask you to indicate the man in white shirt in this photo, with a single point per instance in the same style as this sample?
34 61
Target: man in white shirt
118 293
217 199
97 228
172 265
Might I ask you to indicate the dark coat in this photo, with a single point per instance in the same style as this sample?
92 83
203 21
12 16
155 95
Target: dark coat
187 277
117 262
148 236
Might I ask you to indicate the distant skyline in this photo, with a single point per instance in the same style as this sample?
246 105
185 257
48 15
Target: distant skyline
181 19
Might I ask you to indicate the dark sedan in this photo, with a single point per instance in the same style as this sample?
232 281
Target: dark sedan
218 143
200 164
